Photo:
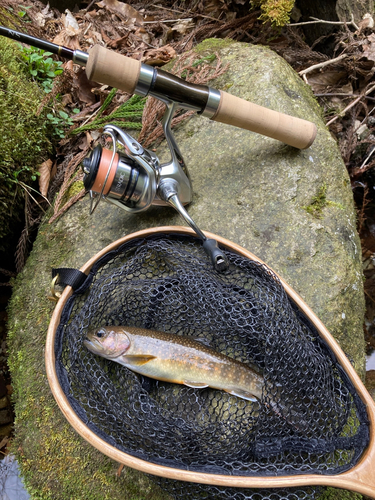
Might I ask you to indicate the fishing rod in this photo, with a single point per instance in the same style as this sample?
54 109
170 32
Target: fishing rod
108 67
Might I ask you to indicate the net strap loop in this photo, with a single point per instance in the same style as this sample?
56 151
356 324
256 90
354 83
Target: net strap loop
69 276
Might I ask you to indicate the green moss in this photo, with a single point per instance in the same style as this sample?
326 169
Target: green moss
55 461
337 494
213 44
23 144
275 11
319 202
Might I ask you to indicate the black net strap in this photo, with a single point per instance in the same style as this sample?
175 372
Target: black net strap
69 276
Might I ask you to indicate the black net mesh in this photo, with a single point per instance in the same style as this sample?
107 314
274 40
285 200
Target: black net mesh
310 419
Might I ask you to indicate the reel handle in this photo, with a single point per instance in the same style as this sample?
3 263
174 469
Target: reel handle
130 75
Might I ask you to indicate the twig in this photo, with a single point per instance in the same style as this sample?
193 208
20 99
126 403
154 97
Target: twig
353 103
168 20
67 205
181 12
119 470
7 273
367 158
316 20
91 116
321 65
343 94
90 5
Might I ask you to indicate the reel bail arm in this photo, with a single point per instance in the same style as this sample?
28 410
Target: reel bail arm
134 180
168 191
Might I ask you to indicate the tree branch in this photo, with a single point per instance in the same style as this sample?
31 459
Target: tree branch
321 65
322 21
353 103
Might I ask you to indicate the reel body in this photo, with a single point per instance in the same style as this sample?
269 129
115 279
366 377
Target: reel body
132 178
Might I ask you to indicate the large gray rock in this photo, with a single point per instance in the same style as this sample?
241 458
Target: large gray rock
293 209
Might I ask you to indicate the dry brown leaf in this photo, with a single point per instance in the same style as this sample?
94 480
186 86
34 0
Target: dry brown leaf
45 176
67 40
70 23
320 81
369 48
184 26
159 57
4 442
143 35
85 87
115 44
123 9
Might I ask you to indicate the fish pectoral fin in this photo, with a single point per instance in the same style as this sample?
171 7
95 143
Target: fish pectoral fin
195 385
241 394
138 360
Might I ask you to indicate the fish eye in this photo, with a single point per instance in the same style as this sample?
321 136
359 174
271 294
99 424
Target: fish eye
100 333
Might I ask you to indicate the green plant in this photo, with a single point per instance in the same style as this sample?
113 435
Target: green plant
128 115
22 12
41 66
60 121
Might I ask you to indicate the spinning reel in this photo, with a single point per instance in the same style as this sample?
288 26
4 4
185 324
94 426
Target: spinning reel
134 179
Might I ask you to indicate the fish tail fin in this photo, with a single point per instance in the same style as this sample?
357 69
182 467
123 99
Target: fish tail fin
240 393
291 416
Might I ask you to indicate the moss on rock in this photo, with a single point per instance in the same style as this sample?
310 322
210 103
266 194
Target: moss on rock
24 144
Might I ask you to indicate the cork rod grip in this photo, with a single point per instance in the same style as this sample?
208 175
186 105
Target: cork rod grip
111 68
244 114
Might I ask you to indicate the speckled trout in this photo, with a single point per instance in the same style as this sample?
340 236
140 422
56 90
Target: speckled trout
171 358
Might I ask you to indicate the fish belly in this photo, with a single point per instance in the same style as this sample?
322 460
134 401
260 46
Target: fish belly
198 372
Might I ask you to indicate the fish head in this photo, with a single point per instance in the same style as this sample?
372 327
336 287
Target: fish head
107 341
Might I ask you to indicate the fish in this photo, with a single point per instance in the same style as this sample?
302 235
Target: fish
176 359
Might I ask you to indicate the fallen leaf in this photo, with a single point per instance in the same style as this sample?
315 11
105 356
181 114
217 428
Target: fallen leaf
123 9
85 87
89 140
115 44
70 23
67 40
41 17
45 176
184 26
320 81
3 442
143 35
159 57
66 100
369 48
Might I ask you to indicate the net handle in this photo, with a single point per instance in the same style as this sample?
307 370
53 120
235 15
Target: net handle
360 478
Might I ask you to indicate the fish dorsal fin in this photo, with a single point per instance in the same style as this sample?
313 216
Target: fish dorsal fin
195 385
138 359
241 394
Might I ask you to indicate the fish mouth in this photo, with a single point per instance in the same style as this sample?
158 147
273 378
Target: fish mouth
92 345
